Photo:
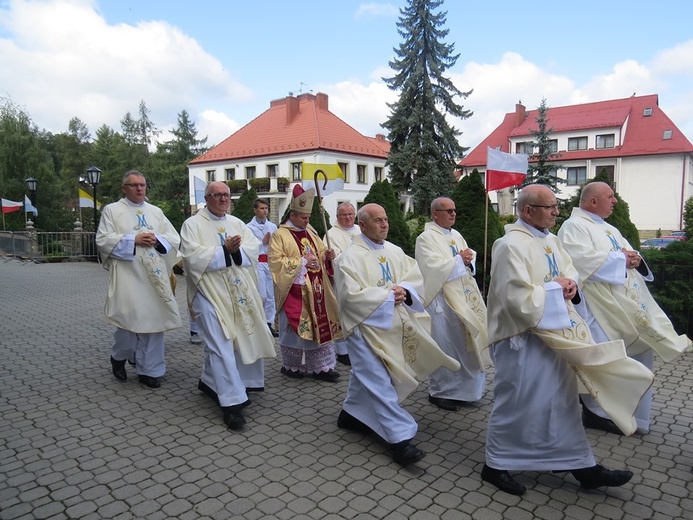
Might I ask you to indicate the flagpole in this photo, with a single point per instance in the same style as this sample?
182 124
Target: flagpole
322 209
483 283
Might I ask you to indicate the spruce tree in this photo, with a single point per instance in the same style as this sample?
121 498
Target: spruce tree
424 149
382 193
244 205
543 171
470 200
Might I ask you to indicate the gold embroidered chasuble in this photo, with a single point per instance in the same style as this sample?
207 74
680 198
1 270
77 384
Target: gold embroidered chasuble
232 291
340 238
435 254
140 298
625 311
364 278
522 264
313 303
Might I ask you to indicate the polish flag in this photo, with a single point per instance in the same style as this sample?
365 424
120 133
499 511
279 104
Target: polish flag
8 206
504 169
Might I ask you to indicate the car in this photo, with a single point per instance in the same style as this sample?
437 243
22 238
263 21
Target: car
659 243
681 234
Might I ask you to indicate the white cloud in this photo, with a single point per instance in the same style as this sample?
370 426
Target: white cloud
364 107
66 61
216 126
675 61
376 10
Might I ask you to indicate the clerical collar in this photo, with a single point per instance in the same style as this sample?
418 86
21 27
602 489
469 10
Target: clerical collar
371 244
294 227
261 222
444 230
596 218
539 233
348 230
214 217
134 204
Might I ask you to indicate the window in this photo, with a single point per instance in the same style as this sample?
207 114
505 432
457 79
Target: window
667 134
604 141
296 171
250 172
553 145
210 175
525 147
608 169
577 143
647 112
345 170
577 176
273 170
378 173
361 173
230 174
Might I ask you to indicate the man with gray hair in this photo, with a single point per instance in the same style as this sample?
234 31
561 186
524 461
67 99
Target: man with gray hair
139 247
613 278
458 314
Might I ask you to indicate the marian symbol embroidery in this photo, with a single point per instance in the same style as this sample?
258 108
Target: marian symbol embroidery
222 235
453 246
385 270
552 264
141 221
615 246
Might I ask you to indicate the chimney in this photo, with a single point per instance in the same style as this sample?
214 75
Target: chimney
321 101
292 109
520 113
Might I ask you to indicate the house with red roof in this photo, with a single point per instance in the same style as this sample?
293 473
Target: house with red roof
274 145
645 155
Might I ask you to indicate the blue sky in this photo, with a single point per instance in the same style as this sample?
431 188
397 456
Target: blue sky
224 60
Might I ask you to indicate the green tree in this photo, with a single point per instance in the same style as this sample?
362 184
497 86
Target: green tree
424 149
543 171
381 192
473 208
688 219
244 206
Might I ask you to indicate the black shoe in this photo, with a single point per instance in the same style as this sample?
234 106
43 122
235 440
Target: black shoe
444 404
405 454
502 480
292 373
598 476
233 418
274 332
594 421
347 421
151 382
118 368
344 359
132 363
330 376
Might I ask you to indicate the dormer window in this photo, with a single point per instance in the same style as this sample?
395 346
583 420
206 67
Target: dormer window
667 134
647 112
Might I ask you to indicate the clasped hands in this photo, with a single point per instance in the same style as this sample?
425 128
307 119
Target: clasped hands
233 243
569 287
467 256
633 258
145 240
400 294
312 260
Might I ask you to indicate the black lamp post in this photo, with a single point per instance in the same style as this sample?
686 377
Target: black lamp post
93 178
32 186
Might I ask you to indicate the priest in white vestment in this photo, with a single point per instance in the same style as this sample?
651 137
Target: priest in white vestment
138 246
458 313
340 237
541 348
379 290
218 252
613 277
262 228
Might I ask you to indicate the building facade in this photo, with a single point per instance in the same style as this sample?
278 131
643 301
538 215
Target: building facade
645 155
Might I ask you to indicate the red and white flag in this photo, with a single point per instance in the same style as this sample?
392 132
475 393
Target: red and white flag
504 169
9 206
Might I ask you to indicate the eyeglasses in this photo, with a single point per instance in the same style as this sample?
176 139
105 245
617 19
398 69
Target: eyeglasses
220 196
551 207
135 185
448 211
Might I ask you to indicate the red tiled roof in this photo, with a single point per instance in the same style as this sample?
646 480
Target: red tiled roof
641 135
295 124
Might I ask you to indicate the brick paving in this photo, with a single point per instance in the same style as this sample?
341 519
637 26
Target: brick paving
77 443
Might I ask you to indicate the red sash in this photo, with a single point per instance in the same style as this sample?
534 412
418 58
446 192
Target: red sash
296 298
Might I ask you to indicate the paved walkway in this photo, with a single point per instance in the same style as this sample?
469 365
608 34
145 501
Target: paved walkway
76 443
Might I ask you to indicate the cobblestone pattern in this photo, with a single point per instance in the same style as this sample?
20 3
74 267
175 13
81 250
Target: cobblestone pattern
77 443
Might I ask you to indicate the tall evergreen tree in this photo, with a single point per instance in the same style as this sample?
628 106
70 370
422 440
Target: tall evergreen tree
382 193
423 147
471 202
543 171
243 208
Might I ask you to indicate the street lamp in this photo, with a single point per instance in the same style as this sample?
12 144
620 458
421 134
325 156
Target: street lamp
32 185
93 178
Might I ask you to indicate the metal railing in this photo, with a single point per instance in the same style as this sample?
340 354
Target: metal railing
44 246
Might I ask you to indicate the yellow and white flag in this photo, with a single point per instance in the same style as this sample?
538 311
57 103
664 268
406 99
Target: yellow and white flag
86 200
335 177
